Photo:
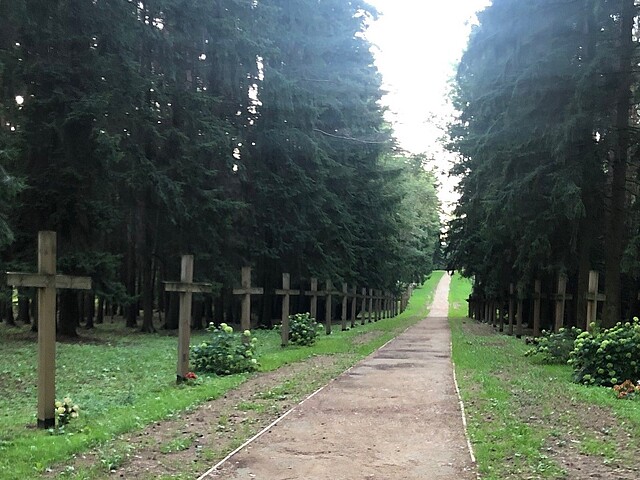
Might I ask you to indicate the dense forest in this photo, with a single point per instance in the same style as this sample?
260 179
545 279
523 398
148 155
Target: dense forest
547 136
245 132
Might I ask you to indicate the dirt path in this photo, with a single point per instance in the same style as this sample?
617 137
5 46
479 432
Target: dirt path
395 415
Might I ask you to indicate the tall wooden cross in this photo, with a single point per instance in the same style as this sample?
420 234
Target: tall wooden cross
314 294
537 297
561 297
286 293
593 297
327 293
47 282
246 291
512 308
354 299
345 300
186 288
363 307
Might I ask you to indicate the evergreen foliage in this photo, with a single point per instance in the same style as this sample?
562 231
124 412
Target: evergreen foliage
544 141
242 132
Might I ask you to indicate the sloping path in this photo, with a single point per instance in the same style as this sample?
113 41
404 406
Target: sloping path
395 415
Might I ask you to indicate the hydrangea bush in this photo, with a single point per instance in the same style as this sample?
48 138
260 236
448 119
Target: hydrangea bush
607 357
226 352
554 348
303 329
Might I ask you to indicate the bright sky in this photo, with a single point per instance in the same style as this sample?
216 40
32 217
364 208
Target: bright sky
417 46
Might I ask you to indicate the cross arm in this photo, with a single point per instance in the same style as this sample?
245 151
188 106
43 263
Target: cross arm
250 291
38 280
187 287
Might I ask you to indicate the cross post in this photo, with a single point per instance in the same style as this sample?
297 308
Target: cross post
186 288
354 297
561 297
363 307
512 308
345 300
537 297
371 311
286 293
246 291
593 297
47 282
314 294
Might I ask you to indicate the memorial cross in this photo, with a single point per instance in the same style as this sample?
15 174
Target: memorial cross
246 291
47 282
286 293
186 288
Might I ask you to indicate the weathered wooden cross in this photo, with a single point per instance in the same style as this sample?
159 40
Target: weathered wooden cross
328 293
593 297
246 290
512 308
47 282
345 300
363 308
186 288
560 298
537 298
314 294
354 299
286 293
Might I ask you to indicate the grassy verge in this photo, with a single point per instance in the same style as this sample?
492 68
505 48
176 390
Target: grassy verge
124 381
528 420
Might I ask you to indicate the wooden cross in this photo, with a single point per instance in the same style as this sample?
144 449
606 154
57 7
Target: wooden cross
560 298
345 301
328 313
286 293
354 296
314 294
519 318
378 303
186 288
246 291
363 308
593 297
47 282
512 308
371 296
537 297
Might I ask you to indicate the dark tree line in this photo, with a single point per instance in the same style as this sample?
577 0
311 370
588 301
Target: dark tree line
547 138
244 132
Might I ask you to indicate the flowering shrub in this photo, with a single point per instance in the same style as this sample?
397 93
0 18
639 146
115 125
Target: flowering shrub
554 348
303 329
226 352
66 410
608 356
628 390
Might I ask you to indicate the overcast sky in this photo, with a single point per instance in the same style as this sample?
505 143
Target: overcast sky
417 46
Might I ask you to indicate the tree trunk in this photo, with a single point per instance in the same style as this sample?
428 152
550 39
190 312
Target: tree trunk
198 314
69 316
147 295
615 232
90 308
173 312
100 311
23 306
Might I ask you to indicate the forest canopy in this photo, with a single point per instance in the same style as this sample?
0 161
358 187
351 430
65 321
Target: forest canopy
243 132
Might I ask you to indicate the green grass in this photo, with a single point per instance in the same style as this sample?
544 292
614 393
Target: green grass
125 380
517 409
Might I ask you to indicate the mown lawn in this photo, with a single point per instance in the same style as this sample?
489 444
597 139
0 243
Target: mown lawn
123 380
530 421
